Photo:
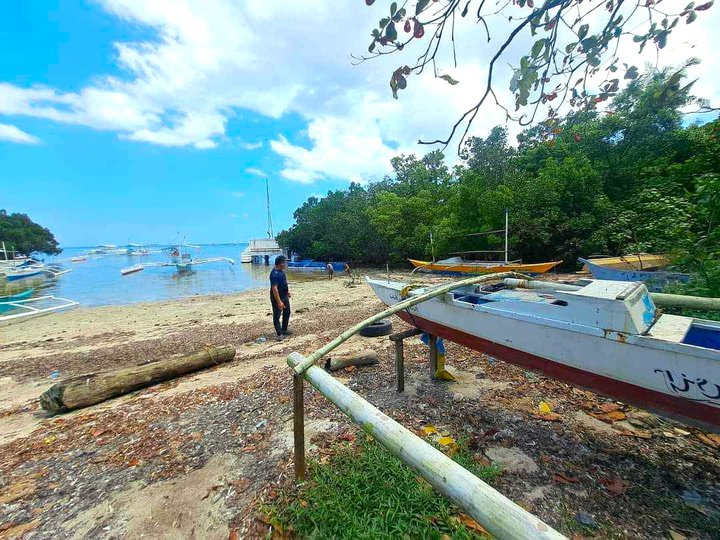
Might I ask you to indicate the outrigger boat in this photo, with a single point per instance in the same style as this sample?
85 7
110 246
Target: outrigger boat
639 261
19 310
605 336
315 266
459 265
32 268
182 256
654 280
14 298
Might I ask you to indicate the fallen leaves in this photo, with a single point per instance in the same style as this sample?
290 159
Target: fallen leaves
561 478
617 486
446 441
18 531
609 407
616 416
470 523
709 439
18 490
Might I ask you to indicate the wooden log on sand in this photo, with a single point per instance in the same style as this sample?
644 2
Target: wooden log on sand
87 390
337 363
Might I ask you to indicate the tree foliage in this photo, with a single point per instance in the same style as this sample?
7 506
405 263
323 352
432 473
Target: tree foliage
573 59
21 234
635 180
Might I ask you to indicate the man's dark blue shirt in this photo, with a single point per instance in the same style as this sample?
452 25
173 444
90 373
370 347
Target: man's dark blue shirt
277 277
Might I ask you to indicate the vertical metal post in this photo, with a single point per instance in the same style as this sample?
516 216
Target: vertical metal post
432 345
299 427
400 365
507 224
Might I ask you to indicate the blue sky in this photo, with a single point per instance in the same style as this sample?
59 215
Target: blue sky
91 187
131 120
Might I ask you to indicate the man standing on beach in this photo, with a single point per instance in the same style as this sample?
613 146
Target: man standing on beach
330 270
280 298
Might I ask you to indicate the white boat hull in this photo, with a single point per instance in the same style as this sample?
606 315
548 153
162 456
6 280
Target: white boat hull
654 371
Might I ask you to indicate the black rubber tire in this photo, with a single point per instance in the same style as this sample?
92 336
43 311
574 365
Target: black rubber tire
377 329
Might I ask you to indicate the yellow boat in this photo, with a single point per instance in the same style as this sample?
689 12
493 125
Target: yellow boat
456 265
640 261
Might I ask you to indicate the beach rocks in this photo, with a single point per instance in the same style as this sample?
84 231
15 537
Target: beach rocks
513 460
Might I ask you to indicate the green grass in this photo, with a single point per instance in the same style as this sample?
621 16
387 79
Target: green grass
365 492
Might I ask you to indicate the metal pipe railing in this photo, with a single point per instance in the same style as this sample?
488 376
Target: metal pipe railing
498 514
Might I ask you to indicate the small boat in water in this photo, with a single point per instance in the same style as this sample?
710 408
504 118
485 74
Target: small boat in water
14 298
132 269
32 269
315 266
605 336
81 258
182 256
263 250
20 310
655 280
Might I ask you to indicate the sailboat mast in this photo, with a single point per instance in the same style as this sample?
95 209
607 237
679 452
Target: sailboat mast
269 215
506 234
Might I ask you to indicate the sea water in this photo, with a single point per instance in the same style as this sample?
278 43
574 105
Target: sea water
98 282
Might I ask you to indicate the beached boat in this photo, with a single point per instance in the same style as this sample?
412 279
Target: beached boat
263 250
182 256
606 336
315 266
639 261
20 310
655 280
459 266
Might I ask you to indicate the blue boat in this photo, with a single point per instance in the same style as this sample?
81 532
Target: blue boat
316 266
6 300
19 296
654 280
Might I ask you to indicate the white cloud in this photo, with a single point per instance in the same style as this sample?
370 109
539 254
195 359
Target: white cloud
252 146
233 216
256 172
246 215
16 135
237 194
210 59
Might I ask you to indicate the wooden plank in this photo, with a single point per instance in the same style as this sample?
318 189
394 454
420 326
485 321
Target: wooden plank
433 355
405 334
400 365
299 427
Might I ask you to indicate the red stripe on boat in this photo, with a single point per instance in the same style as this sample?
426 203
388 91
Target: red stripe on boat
704 416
